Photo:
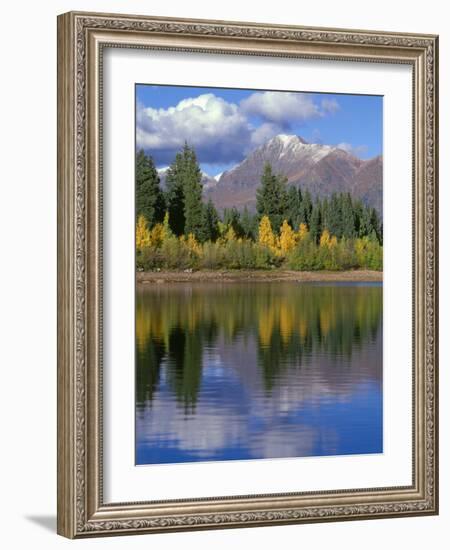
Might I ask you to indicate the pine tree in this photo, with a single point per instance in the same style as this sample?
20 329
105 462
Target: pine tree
210 223
175 195
376 225
335 216
294 197
232 218
248 224
271 197
192 188
184 193
306 208
325 213
348 217
357 213
364 222
149 197
315 224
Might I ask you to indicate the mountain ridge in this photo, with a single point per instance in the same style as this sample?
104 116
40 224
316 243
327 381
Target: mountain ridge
319 168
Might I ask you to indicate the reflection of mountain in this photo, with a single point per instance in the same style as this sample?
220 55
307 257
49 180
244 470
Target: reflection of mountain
266 333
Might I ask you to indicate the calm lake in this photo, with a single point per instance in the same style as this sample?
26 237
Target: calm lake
265 370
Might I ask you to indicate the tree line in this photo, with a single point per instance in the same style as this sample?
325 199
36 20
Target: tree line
286 218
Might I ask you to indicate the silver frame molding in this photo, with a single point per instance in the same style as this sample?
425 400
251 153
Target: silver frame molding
81 39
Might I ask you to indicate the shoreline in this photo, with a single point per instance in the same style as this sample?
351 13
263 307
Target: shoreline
144 278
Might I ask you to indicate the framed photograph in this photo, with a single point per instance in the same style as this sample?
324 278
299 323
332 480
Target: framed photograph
247 274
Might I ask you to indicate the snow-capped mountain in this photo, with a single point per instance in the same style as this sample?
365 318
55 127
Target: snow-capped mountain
322 169
208 181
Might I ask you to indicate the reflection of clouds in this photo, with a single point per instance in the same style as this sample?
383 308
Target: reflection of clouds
240 373
268 425
294 442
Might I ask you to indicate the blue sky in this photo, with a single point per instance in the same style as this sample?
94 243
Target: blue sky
224 125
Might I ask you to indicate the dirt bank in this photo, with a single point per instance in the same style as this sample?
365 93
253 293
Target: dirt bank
230 276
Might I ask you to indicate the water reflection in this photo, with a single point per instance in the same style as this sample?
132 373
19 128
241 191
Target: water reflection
235 371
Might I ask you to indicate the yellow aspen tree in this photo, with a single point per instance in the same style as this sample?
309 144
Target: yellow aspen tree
266 236
142 233
156 235
287 238
302 231
166 232
230 235
193 245
325 238
361 250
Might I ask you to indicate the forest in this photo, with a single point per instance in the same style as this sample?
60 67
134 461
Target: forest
291 229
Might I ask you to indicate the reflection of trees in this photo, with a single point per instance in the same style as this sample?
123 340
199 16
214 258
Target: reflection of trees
148 367
185 364
288 322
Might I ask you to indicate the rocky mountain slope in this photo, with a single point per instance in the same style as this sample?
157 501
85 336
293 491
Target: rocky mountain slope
322 169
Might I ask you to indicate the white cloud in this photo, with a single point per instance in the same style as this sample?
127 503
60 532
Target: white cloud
222 132
329 106
266 131
281 107
209 123
353 150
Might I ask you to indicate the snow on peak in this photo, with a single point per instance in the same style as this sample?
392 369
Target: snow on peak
288 139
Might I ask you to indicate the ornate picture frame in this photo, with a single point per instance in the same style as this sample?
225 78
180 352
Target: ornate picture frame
82 38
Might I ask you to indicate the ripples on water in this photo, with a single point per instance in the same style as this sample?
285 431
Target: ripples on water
267 370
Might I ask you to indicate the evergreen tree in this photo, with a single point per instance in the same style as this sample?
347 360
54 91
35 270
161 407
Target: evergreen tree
315 225
364 222
294 201
184 193
192 187
175 195
149 197
335 216
271 197
249 224
232 218
210 223
306 208
348 216
375 225
358 213
325 210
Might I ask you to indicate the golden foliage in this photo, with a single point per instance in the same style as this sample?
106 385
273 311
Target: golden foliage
157 234
193 245
143 239
286 321
266 236
167 232
230 235
302 231
325 238
266 322
287 238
